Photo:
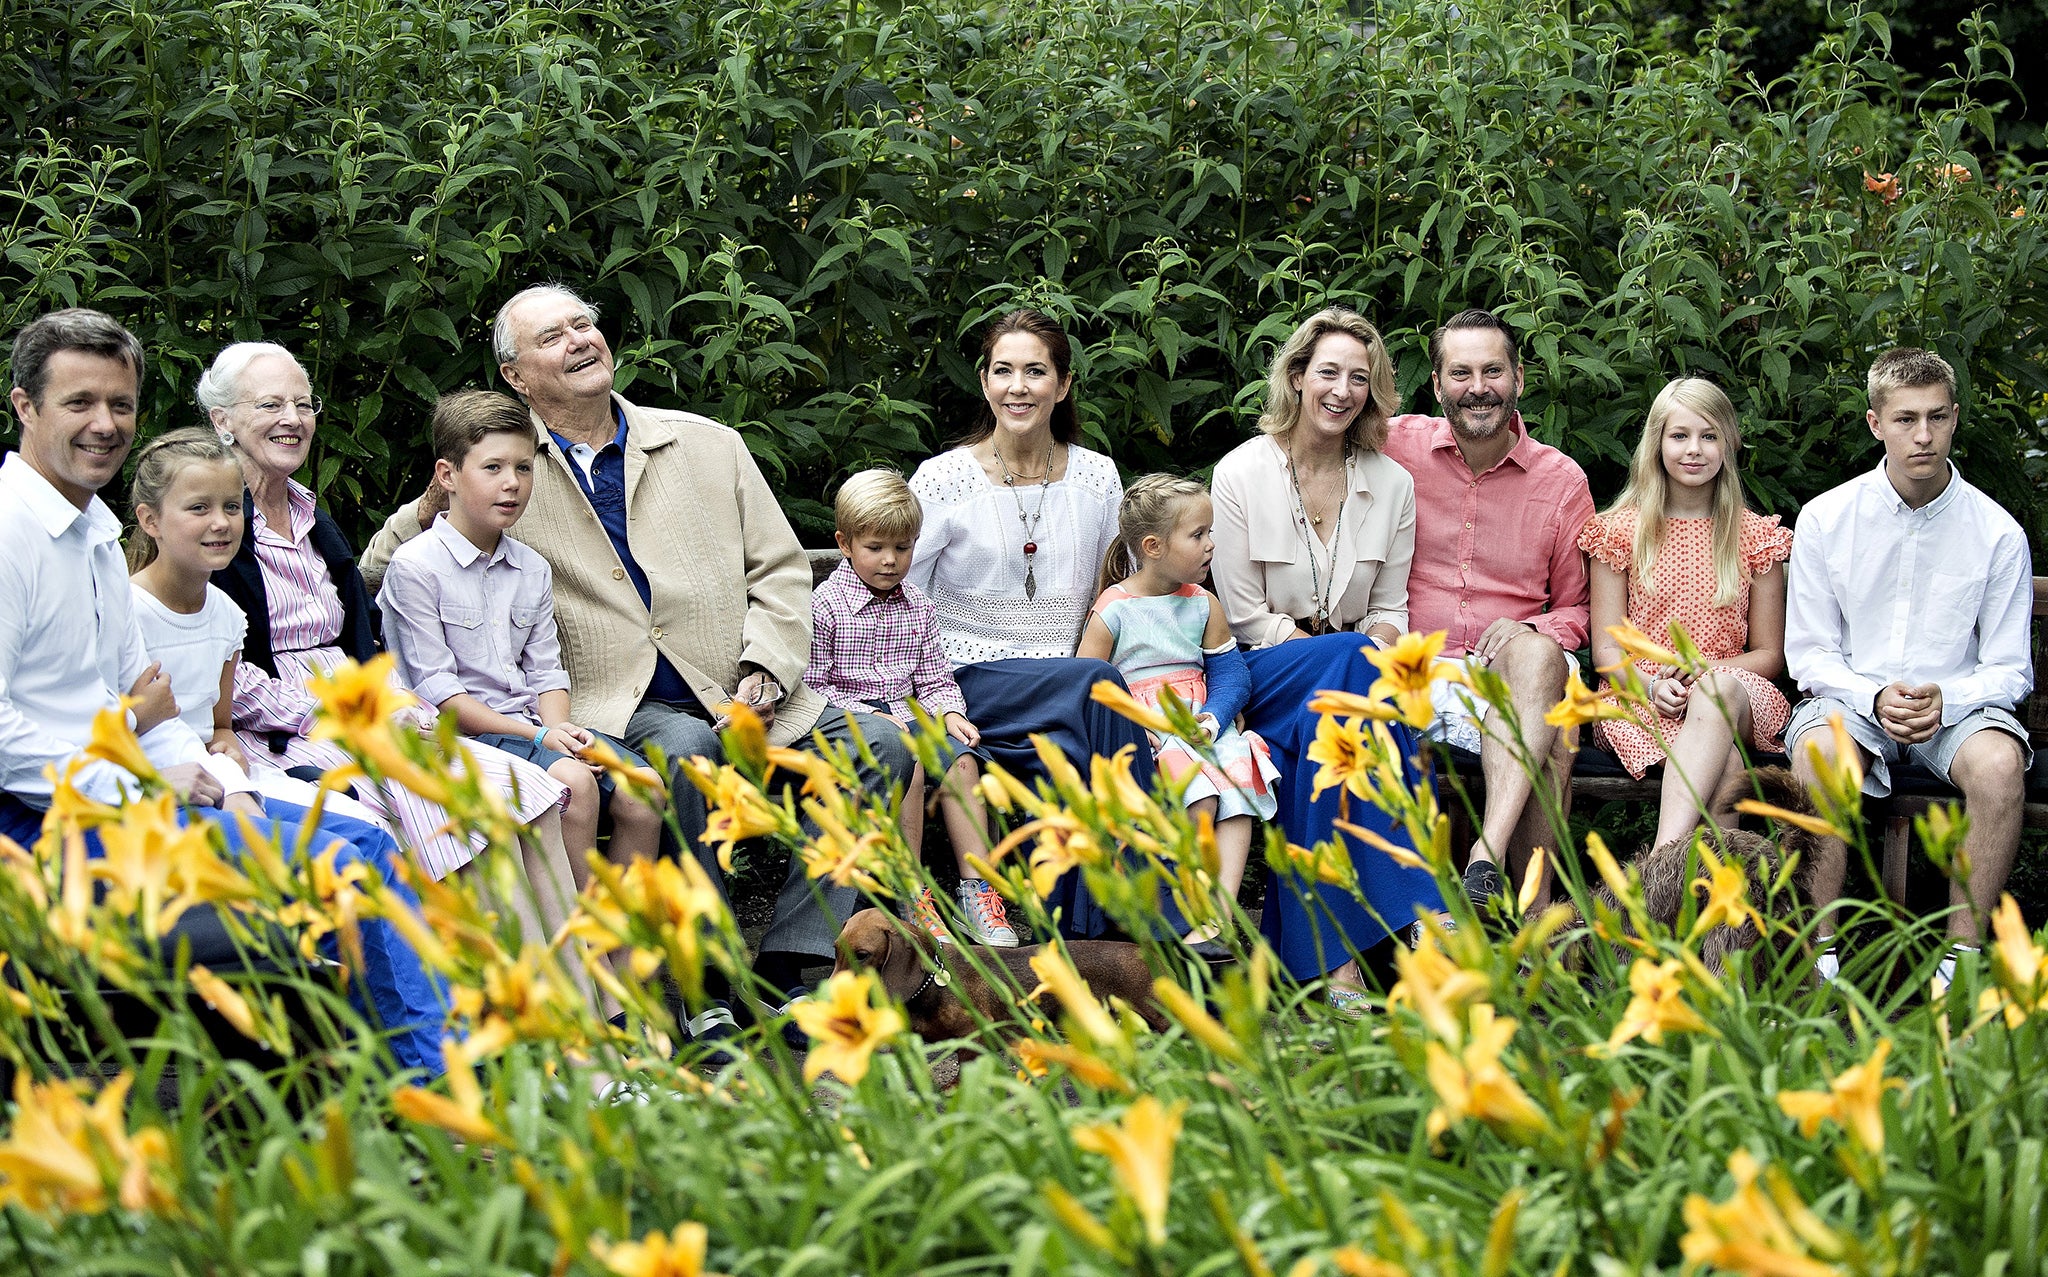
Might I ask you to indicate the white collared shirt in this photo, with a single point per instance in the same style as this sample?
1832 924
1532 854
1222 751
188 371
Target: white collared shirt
1880 593
69 643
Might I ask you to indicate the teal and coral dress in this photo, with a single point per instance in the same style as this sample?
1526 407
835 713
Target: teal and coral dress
1159 645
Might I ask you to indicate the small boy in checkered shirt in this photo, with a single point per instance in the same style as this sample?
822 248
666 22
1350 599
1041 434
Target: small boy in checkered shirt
875 648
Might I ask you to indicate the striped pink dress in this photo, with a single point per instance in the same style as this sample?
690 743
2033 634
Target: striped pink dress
305 623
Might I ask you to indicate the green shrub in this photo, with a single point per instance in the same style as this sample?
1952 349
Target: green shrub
795 213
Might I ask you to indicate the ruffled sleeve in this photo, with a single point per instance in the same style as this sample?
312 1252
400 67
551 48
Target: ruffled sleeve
1611 538
1765 541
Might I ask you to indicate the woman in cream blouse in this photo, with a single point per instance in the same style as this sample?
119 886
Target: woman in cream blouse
1315 530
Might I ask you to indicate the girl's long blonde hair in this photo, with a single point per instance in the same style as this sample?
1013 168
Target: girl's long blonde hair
1151 508
1649 486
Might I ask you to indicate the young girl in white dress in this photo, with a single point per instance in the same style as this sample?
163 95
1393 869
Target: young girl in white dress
1153 620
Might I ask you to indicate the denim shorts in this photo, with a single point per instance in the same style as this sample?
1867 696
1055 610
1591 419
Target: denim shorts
1937 753
541 756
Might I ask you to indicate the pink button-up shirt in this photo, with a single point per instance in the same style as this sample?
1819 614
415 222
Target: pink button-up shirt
1500 544
870 649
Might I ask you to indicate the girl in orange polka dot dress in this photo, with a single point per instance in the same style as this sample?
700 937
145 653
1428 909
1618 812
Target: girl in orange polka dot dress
1679 544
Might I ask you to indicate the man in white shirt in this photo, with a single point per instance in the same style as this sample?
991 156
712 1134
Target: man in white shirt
1908 614
70 645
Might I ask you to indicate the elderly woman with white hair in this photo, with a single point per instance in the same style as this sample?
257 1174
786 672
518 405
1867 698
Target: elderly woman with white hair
1315 530
295 577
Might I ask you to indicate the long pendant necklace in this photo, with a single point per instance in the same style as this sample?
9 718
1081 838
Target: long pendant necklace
1029 521
1319 589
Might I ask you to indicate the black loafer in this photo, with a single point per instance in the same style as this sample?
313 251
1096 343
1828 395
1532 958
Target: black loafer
1482 882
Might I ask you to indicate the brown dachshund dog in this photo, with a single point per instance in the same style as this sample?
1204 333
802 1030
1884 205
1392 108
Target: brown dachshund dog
905 957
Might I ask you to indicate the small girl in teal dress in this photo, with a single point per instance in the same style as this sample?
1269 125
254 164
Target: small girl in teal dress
1155 622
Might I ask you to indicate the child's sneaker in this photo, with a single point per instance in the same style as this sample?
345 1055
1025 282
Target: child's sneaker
924 912
988 923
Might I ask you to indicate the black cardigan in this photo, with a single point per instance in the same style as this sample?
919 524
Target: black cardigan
242 581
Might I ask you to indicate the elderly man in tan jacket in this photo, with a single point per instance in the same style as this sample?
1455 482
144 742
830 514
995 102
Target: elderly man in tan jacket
679 585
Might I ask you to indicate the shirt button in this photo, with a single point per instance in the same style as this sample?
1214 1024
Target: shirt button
1461 605
1468 525
618 574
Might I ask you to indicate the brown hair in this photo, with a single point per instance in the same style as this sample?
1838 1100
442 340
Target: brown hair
1037 324
87 331
158 466
1151 508
1283 400
463 419
1903 366
1468 319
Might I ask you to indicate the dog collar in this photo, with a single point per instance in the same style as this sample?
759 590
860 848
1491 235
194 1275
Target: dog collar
938 975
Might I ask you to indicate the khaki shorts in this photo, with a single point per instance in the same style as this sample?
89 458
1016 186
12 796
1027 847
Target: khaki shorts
1459 710
1937 753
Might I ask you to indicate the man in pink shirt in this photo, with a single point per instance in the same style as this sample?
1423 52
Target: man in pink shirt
1499 571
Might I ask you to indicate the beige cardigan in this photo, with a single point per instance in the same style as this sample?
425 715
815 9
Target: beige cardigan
730 582
1261 567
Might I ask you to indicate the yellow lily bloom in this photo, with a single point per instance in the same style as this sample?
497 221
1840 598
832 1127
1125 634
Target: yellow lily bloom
738 810
642 782
156 869
1772 1234
1140 1153
1062 844
226 1001
1086 1066
113 741
746 736
1476 1084
460 1112
1349 756
1797 819
1407 671
1352 705
1394 851
1108 693
1325 862
1436 988
1657 1007
1638 646
64 1155
1050 965
70 809
1580 706
2018 965
679 1253
1727 896
1195 1018
1853 1101
845 1026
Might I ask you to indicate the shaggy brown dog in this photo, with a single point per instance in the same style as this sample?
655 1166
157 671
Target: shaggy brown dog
906 959
1662 869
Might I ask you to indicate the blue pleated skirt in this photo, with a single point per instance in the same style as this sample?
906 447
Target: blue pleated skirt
1314 927
1010 700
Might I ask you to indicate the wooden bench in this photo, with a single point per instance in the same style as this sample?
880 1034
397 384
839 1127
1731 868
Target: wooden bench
1599 775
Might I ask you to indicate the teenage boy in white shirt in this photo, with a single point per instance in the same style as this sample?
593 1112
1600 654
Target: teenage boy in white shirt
1908 613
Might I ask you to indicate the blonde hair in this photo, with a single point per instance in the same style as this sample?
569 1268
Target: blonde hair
1904 366
1283 401
877 503
1151 508
1649 487
158 466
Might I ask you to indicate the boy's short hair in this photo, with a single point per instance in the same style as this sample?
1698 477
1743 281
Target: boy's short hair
1904 366
463 419
877 503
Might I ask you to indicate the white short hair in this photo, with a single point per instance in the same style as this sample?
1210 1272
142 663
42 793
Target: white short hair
502 344
219 384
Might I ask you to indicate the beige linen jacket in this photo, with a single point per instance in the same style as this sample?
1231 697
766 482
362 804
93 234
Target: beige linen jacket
730 582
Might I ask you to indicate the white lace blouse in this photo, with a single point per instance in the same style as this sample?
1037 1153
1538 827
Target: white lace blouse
970 555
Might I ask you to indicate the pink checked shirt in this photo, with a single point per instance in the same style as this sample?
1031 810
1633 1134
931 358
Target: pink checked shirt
1500 544
869 649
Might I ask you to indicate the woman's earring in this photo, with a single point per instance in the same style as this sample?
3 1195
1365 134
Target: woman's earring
227 438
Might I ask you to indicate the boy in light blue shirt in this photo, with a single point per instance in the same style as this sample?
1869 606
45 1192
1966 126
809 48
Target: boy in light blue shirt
469 614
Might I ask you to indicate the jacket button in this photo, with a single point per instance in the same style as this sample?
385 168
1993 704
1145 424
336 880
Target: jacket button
618 574
657 633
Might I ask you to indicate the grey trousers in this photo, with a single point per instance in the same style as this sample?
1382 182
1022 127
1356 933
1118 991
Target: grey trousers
799 925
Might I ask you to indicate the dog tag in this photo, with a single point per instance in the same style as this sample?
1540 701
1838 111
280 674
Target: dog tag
942 977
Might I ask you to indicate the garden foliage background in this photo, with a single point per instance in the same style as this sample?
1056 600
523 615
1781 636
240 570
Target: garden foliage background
795 212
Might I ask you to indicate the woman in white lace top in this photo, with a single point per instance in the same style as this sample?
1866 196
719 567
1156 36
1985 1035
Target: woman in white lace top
1016 521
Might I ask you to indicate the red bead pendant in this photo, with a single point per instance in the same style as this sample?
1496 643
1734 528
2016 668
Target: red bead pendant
1031 547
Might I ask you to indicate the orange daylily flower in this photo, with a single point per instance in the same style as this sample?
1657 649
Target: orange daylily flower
1853 1101
845 1026
1140 1152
